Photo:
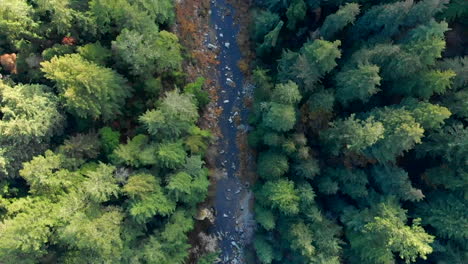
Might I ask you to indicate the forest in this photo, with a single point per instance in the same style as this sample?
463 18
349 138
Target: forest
101 160
358 128
360 114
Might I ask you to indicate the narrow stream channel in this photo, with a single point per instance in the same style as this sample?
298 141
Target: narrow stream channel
233 224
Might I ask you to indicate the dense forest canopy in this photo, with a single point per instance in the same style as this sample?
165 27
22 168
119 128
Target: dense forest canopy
101 160
360 123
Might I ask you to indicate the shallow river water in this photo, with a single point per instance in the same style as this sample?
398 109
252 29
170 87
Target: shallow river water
233 223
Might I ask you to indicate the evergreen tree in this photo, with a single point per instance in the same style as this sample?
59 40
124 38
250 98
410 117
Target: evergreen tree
296 13
174 117
377 233
272 165
147 198
334 23
148 53
316 59
88 90
30 117
357 84
352 134
281 195
392 180
16 22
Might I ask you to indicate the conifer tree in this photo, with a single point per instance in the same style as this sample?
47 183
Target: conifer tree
87 89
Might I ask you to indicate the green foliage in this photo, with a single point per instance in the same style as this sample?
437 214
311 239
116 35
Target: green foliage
46 175
352 134
28 112
306 169
460 66
18 243
94 235
109 139
287 93
271 39
209 258
81 147
334 23
147 198
351 182
88 90
426 84
385 20
427 42
398 131
57 50
286 69
174 117
195 89
316 59
161 11
430 116
450 144
447 214
30 116
377 233
95 52
198 140
281 195
401 134
279 117
101 184
394 181
66 204
357 84
148 53
265 217
265 21
16 21
112 16
264 249
296 13
135 153
272 165
170 154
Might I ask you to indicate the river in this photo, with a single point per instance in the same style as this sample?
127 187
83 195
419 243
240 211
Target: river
233 199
